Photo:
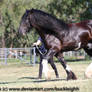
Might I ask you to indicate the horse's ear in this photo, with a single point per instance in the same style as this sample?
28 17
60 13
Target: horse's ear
27 10
32 10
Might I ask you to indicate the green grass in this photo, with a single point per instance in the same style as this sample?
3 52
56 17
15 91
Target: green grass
21 75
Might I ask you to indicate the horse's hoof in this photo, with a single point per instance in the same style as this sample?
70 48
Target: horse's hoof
71 76
74 78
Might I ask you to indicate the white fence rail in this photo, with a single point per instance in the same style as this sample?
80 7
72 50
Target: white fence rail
75 54
28 55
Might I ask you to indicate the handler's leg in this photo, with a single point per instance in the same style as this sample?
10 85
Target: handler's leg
40 67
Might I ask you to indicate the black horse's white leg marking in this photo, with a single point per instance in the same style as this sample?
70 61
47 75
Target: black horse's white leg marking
45 67
68 68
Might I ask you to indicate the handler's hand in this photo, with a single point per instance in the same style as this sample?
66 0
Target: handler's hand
38 43
34 44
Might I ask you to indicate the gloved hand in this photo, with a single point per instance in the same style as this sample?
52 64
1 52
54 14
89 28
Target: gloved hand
37 43
34 44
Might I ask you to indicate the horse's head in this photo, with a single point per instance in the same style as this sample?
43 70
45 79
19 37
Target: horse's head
25 24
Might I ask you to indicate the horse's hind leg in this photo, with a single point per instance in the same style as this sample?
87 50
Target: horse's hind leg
70 74
54 67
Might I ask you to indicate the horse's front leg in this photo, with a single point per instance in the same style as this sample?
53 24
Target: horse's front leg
70 74
54 67
45 60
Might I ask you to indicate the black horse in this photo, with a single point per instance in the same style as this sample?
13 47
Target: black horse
58 36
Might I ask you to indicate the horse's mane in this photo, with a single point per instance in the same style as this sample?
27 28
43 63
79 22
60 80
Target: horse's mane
25 15
49 18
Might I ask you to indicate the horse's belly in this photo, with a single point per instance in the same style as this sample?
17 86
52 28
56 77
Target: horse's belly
70 46
53 42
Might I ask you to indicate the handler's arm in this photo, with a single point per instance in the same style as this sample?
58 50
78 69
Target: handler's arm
38 43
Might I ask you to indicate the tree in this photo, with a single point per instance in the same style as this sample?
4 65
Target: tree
11 12
68 10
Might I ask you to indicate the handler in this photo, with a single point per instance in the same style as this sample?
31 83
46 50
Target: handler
42 50
41 45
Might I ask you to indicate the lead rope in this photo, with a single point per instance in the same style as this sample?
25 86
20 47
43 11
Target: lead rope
38 48
40 51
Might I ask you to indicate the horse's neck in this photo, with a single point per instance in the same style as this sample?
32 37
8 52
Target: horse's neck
58 29
41 34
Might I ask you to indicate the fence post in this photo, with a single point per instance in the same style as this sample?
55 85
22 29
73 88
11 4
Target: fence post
5 55
34 49
30 55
